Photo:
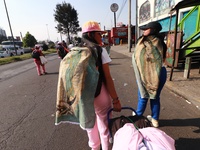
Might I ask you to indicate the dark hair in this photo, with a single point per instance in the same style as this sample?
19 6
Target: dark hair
96 50
89 39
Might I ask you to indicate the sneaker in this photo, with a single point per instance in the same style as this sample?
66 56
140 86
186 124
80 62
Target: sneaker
133 113
45 73
153 121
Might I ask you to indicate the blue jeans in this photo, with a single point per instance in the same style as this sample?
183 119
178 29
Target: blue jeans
154 103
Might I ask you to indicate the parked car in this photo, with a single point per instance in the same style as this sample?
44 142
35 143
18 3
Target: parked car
10 50
4 52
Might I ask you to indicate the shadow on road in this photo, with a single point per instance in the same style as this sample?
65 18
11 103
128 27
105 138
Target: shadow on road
185 143
50 73
181 122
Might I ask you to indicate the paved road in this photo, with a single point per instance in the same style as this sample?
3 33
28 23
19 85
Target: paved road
27 109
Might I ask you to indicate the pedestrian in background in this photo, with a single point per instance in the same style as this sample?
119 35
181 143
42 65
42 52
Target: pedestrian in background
62 49
106 43
37 52
64 43
148 59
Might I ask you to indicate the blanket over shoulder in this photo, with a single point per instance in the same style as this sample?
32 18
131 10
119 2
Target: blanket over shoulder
147 63
76 88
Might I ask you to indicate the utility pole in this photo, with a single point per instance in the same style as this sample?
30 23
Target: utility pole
129 26
21 36
136 23
10 27
48 33
61 37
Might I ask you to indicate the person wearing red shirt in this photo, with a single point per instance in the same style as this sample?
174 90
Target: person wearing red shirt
37 61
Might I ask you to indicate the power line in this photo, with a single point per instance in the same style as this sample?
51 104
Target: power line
123 4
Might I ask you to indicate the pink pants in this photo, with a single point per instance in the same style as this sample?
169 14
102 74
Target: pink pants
38 64
100 133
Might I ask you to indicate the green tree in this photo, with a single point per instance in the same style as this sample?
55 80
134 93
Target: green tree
29 40
67 19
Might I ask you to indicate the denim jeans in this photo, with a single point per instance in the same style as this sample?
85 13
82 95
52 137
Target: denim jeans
154 103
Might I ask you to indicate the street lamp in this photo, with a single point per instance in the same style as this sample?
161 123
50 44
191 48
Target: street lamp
10 27
48 32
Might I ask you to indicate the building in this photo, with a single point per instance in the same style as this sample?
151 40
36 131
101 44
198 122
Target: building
120 35
158 10
181 26
2 32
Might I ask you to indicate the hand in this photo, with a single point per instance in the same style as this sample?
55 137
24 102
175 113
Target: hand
117 106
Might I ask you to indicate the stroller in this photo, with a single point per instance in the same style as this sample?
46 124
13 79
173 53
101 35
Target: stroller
116 123
136 132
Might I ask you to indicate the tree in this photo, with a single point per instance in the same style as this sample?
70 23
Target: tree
67 19
29 40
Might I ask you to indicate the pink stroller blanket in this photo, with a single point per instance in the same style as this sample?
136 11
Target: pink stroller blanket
149 138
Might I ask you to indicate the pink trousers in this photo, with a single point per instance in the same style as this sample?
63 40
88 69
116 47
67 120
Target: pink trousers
38 64
99 135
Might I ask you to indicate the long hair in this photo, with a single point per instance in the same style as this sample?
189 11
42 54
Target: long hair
89 41
89 38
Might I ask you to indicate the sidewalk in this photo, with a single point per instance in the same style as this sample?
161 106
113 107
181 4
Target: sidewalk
189 89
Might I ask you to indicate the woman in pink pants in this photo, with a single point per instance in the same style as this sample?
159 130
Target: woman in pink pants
106 96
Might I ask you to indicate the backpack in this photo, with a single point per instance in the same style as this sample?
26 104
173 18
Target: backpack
36 54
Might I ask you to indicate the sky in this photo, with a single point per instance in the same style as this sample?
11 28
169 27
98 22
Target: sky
37 16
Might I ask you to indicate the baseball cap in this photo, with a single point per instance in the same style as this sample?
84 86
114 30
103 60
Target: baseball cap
155 25
91 26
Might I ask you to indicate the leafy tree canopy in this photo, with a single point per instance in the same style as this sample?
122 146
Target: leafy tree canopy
29 40
67 19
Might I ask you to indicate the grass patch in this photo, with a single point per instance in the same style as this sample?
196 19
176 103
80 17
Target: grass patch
25 56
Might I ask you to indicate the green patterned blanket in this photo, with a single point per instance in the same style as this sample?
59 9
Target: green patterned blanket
147 62
76 88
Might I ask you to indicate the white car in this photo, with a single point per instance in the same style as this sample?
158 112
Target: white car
9 50
4 52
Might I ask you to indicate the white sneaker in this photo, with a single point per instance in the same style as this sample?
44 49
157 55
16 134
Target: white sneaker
153 121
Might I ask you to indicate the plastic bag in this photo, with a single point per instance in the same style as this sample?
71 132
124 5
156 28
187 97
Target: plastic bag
43 60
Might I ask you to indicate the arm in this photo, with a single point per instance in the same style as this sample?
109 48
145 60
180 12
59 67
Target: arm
66 49
111 88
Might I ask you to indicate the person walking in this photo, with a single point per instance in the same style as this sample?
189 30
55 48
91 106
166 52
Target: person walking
106 44
62 50
80 70
37 52
91 36
148 63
